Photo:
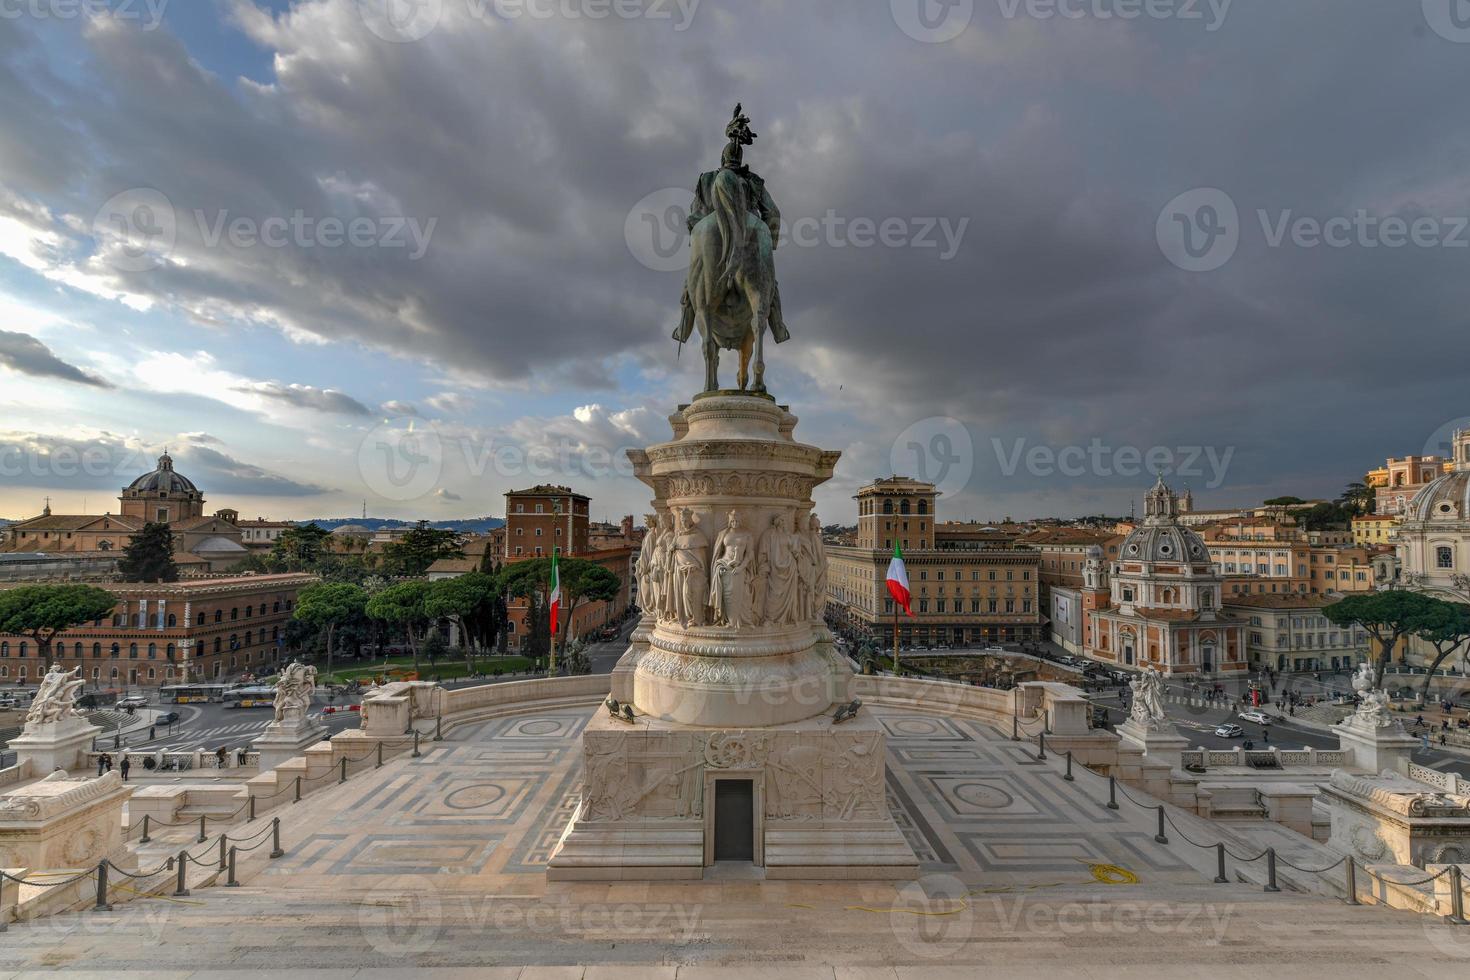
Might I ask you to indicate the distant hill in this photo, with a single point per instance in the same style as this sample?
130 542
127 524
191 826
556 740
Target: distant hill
467 525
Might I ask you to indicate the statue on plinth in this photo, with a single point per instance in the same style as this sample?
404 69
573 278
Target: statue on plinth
1148 700
1373 711
56 698
647 575
732 580
690 557
294 690
812 567
730 293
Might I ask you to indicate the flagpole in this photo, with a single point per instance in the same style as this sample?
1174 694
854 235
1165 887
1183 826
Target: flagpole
896 671
551 658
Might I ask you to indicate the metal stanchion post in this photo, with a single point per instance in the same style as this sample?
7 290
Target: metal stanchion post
1041 741
1271 870
224 840
343 777
4 923
1352 881
231 881
276 839
1161 837
1112 792
298 790
1069 777
202 835
1457 897
1220 878
439 729
251 804
145 839
181 890
380 756
1015 728
416 752
102 903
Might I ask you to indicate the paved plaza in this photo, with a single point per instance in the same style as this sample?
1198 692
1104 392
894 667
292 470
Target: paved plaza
439 863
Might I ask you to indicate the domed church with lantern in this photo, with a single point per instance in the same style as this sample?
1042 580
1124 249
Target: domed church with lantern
1159 604
203 543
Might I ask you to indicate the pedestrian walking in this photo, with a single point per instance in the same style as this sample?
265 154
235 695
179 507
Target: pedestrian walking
152 732
125 768
101 763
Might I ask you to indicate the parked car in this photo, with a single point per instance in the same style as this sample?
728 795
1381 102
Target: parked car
1259 717
132 701
1229 731
167 718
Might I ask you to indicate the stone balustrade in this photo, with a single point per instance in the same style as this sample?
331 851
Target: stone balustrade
1274 758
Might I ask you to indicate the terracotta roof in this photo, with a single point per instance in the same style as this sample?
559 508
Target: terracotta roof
75 522
1279 600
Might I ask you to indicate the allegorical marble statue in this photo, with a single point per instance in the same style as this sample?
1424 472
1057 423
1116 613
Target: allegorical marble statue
778 571
730 293
1373 707
294 690
666 569
56 697
690 558
653 548
732 576
1148 699
647 582
812 565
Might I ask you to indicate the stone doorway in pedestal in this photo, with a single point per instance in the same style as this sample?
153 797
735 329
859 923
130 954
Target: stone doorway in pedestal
733 818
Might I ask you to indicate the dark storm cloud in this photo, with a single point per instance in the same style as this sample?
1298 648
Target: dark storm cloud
1056 320
221 474
307 396
24 353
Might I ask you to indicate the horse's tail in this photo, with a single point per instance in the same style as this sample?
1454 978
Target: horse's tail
730 199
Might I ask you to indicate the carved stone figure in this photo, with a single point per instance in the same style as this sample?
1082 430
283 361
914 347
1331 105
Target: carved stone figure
1148 699
56 698
812 568
666 570
294 690
732 576
1373 709
778 571
690 559
647 586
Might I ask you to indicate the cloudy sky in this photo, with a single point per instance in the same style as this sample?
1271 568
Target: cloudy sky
420 252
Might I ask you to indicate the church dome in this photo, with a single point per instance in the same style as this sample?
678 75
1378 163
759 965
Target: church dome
164 479
217 545
1163 542
1446 498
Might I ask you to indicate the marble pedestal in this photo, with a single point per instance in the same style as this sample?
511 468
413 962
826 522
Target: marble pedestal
731 675
286 740
647 810
54 745
61 822
1162 744
1376 747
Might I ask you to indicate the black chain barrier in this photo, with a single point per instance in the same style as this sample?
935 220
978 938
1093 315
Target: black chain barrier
1457 882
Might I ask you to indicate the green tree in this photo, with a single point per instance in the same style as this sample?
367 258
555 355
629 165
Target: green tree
301 547
330 606
402 605
1358 498
465 600
411 555
1387 617
1446 628
149 557
42 611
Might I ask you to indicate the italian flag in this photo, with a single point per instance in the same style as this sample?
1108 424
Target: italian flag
898 580
555 593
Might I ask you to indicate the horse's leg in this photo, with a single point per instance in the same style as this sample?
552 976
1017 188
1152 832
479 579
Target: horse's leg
759 304
711 354
745 362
